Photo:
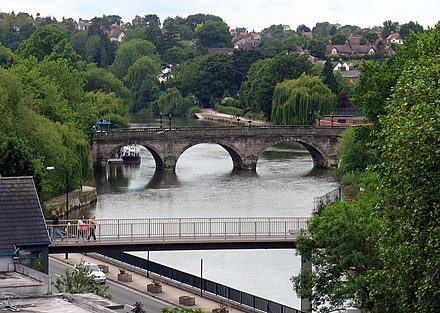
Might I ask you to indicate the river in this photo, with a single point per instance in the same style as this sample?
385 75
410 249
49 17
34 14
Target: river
204 185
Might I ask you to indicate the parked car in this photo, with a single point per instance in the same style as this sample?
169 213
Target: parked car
97 274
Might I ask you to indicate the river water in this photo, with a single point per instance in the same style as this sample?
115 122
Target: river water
204 185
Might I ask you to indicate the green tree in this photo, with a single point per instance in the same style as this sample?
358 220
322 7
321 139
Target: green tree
78 40
104 80
142 81
409 28
369 37
259 87
329 77
373 88
79 280
265 74
108 105
129 52
172 101
409 146
339 39
16 28
6 57
42 43
389 27
214 35
16 158
318 48
295 101
194 20
354 152
208 77
216 76
341 245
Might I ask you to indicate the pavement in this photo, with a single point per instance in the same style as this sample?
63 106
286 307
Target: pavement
212 115
171 291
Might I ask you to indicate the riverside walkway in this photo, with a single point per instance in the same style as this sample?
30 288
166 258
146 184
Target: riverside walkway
180 234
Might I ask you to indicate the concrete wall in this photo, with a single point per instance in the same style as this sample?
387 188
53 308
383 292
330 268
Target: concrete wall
6 264
45 285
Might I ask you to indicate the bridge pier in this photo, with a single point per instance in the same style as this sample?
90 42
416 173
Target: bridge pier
100 164
247 164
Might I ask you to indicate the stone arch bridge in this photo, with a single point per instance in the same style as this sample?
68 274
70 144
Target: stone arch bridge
245 145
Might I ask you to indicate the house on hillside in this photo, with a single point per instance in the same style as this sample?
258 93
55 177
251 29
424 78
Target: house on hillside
344 69
115 33
24 237
394 38
351 48
245 40
83 24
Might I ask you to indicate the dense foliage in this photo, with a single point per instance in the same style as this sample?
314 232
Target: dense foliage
380 250
295 102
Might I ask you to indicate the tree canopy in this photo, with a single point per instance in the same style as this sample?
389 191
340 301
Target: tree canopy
386 254
296 101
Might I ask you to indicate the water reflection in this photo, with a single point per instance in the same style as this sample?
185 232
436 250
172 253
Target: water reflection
163 179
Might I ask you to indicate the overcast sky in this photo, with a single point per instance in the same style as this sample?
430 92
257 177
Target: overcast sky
252 14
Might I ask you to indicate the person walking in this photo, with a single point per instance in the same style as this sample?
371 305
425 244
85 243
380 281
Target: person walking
92 228
81 228
55 230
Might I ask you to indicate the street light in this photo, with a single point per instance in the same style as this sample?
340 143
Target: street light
51 168
332 119
238 119
160 119
170 117
249 121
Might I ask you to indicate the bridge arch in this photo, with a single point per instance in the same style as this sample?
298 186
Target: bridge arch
244 145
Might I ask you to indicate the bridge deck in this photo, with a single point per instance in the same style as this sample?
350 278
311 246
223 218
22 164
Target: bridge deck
157 234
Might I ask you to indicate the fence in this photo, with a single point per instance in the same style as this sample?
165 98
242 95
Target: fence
205 285
322 201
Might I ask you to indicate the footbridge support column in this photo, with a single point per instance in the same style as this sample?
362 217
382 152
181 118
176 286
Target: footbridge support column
306 305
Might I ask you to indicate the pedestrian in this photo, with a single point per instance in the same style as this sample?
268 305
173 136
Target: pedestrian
55 230
81 228
92 228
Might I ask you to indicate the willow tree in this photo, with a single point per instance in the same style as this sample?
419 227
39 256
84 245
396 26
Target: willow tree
298 101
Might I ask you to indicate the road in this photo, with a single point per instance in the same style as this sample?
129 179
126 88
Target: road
120 294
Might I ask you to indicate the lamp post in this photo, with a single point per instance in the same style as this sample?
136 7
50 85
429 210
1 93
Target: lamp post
170 117
238 119
160 119
332 120
249 122
51 168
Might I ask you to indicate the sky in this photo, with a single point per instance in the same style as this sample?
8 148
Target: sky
251 14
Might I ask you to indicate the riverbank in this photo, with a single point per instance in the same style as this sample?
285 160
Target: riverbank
77 198
212 115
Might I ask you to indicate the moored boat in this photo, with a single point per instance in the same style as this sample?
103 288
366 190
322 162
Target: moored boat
131 154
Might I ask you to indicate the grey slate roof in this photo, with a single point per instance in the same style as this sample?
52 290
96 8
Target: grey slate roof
21 218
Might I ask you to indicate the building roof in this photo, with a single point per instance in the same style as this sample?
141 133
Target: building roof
21 217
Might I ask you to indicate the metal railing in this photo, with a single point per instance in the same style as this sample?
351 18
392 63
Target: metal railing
184 229
206 286
322 201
